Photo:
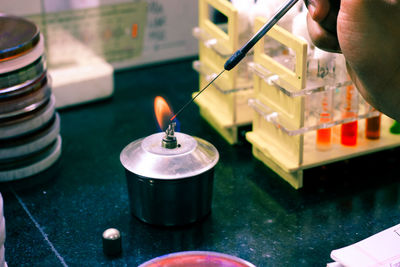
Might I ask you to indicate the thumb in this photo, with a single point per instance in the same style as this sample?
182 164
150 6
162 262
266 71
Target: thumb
318 9
324 12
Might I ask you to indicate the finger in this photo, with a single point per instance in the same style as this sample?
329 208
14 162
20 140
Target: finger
325 12
318 9
322 38
329 23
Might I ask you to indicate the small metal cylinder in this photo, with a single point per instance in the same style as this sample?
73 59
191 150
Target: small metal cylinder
112 245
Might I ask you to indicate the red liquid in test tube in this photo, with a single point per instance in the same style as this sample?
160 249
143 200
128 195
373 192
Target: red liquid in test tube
348 135
349 131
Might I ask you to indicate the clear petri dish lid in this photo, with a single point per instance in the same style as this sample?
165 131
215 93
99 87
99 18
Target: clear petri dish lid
18 36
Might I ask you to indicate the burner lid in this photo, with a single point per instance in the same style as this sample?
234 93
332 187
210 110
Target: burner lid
149 159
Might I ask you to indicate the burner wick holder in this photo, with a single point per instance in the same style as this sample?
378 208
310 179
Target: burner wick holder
169 140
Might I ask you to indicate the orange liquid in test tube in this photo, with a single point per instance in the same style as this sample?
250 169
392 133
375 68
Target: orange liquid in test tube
324 135
323 141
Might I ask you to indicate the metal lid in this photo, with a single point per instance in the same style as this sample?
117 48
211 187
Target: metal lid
18 36
147 158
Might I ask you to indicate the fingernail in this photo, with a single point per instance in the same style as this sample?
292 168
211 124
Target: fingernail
311 7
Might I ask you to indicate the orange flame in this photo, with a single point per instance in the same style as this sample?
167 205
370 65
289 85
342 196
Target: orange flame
162 111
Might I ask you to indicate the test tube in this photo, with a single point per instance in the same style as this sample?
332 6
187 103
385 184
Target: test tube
349 130
373 126
324 139
325 68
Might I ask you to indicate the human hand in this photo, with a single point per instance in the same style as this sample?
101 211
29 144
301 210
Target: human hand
367 32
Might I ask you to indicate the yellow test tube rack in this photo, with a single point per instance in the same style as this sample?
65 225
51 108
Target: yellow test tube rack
224 104
283 134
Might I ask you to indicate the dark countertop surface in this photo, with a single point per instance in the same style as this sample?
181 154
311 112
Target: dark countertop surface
57 217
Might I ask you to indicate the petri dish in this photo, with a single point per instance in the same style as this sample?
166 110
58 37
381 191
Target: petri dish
197 259
34 164
24 75
18 36
30 98
27 122
31 142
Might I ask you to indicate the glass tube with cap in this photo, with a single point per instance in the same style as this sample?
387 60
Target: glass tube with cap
349 130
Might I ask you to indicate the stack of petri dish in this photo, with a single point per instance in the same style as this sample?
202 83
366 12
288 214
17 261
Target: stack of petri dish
2 234
29 125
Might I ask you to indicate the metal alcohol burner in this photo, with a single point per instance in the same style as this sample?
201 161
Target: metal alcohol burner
170 177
